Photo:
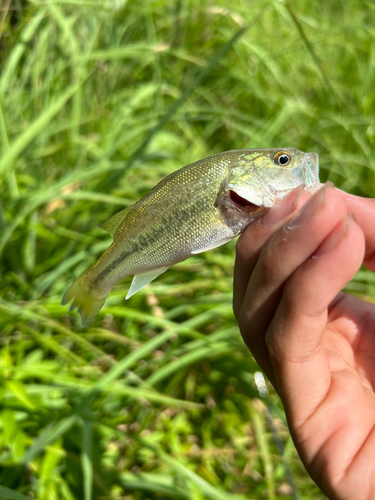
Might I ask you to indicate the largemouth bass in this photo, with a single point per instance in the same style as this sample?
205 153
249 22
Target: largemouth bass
197 208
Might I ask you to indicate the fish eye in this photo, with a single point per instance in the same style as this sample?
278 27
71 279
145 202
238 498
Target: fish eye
282 158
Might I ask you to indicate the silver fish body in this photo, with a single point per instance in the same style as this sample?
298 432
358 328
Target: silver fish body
199 207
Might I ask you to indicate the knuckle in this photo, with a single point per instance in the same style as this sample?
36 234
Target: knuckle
245 327
242 320
240 247
270 264
269 340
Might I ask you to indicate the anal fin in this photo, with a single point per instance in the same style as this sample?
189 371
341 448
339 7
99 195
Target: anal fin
141 280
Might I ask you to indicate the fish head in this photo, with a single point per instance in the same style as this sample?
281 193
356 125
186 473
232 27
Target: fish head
262 176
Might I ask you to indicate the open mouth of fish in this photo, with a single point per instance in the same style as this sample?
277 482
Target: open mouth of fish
241 204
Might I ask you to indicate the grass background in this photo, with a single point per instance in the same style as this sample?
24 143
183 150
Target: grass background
98 101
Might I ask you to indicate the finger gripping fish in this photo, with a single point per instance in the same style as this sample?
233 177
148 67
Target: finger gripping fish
197 208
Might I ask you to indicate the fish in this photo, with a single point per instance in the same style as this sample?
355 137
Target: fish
197 208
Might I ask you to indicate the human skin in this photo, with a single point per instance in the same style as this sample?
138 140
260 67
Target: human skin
315 343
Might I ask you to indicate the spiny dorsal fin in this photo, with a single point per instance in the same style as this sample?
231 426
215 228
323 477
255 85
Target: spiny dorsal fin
141 280
112 224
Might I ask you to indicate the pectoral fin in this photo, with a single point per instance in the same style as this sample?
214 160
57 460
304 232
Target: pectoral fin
141 280
112 224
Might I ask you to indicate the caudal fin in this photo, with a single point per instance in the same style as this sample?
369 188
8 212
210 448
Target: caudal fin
87 299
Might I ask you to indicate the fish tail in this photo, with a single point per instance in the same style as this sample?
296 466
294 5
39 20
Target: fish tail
87 298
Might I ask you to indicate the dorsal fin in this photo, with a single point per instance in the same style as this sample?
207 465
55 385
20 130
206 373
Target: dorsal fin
112 224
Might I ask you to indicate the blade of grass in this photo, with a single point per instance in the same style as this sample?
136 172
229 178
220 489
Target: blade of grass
44 195
157 483
127 312
10 179
142 352
48 435
311 51
70 40
15 57
280 449
262 440
145 350
190 89
86 459
210 491
206 488
6 5
26 313
54 346
98 198
205 353
24 139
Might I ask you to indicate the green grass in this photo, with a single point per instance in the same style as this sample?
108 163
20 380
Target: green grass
98 101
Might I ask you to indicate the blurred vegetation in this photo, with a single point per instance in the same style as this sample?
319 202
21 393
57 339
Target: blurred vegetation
99 99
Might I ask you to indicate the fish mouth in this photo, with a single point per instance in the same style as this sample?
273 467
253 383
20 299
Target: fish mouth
241 204
310 169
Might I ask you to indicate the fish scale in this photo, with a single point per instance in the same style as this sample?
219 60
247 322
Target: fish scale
199 207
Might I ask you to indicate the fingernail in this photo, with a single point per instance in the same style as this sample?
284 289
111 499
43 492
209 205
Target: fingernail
282 208
335 237
309 209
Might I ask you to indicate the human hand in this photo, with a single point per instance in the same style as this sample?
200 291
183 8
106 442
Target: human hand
315 343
